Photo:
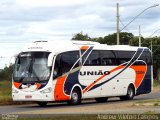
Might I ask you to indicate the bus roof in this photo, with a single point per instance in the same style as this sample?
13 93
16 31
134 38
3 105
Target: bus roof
59 46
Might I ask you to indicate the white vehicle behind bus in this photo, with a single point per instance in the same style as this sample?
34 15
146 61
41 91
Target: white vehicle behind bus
47 71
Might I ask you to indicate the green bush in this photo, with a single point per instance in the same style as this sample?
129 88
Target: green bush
6 73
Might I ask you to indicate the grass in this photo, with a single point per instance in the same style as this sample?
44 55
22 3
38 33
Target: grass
61 117
5 92
151 102
156 83
151 112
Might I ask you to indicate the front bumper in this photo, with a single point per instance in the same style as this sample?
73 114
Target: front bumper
32 97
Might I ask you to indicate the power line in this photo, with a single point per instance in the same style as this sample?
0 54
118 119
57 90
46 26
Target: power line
124 25
155 5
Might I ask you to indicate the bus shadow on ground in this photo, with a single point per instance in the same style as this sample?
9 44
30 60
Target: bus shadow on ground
84 103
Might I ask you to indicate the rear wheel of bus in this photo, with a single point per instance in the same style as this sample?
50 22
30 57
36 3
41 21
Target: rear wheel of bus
75 97
130 93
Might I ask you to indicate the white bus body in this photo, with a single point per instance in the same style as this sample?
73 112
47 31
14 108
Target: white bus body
48 71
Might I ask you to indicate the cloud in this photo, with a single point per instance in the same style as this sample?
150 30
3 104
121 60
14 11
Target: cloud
23 21
7 52
49 3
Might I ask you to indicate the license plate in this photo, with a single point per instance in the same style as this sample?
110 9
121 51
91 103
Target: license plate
28 96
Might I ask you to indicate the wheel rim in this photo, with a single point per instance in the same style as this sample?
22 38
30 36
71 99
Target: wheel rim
75 97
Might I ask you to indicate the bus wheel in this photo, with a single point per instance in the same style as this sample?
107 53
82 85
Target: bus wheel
75 97
102 99
130 94
42 104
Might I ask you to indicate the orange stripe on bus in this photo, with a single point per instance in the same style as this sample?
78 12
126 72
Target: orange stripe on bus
140 73
59 90
117 68
16 84
38 85
84 47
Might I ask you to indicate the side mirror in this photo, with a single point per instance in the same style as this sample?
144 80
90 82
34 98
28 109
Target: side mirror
50 59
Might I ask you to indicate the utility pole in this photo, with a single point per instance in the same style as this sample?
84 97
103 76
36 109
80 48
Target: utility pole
151 39
151 47
118 24
139 36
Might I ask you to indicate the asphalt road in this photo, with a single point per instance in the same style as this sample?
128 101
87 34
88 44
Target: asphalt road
114 105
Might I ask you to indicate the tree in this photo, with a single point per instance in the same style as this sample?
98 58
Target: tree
135 41
81 36
156 56
111 38
6 73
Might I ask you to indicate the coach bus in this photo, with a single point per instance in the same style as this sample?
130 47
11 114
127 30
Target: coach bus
47 71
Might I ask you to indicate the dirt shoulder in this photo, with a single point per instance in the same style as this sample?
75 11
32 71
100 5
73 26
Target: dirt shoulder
156 89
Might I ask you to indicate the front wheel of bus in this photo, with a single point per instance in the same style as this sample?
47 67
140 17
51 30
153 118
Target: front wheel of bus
75 97
42 104
130 94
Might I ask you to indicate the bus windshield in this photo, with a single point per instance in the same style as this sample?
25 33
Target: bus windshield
32 67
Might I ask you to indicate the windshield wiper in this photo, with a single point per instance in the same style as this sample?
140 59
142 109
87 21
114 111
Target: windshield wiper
21 79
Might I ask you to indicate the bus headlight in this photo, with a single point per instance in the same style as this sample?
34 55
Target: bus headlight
48 90
14 91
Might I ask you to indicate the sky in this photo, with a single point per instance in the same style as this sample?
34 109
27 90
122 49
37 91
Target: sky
25 21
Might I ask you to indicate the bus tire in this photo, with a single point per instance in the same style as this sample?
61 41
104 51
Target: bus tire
75 97
42 104
101 99
130 93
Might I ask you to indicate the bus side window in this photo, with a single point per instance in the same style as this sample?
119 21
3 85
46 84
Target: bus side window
124 56
64 62
93 59
68 59
107 57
